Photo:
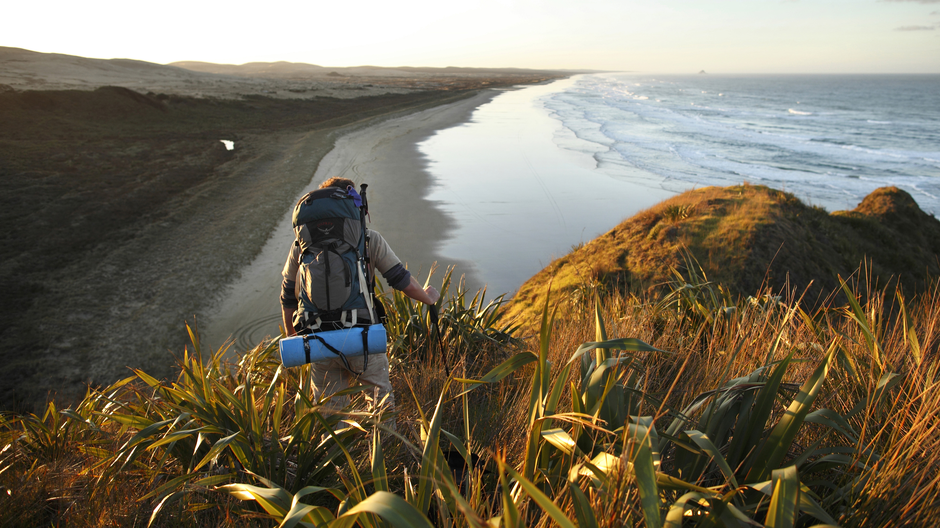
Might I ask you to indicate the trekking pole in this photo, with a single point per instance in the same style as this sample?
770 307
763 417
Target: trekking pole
365 202
435 322
366 259
363 213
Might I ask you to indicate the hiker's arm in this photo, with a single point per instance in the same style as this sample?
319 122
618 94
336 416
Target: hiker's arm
288 306
288 298
287 315
426 295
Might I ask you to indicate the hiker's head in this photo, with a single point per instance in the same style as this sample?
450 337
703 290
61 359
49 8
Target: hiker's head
335 181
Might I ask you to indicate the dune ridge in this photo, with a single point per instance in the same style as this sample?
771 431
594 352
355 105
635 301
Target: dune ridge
746 237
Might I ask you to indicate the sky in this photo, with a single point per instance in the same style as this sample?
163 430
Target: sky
670 36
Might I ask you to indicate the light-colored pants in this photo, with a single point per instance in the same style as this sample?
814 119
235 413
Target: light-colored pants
331 376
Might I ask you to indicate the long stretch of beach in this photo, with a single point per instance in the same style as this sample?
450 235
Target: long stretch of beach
385 156
165 225
480 184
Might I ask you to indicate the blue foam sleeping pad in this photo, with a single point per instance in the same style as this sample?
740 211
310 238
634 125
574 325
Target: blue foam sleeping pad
294 352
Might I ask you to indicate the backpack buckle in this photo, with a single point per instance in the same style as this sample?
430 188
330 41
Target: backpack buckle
353 316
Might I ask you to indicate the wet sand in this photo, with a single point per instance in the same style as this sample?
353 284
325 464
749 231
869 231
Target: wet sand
385 156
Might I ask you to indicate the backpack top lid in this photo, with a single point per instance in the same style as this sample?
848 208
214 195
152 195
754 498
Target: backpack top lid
326 203
328 214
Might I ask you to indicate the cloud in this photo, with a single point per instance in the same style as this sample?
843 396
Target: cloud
915 28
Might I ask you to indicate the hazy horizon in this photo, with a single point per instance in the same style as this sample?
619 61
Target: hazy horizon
674 36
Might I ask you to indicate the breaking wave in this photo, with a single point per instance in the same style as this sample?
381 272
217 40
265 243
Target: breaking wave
679 132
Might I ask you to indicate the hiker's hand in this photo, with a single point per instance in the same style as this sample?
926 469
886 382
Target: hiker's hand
426 295
432 294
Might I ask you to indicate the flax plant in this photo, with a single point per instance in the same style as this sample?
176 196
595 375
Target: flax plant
729 457
466 322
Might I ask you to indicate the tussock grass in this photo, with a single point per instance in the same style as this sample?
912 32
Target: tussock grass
682 409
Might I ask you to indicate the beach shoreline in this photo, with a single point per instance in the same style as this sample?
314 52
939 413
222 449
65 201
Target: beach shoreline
154 268
383 153
155 218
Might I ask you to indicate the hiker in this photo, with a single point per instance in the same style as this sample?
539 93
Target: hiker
335 374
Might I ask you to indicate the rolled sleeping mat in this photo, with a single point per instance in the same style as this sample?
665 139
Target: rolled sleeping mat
298 350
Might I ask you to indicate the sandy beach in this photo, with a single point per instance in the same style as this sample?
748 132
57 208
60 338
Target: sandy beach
383 155
480 184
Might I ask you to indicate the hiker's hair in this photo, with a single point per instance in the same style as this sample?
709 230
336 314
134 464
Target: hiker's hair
336 181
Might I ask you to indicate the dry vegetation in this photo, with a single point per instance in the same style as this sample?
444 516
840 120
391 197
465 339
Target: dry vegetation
674 410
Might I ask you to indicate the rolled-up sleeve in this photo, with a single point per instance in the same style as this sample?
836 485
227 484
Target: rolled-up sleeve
398 277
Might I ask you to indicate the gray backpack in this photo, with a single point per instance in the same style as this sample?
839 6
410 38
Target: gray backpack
332 285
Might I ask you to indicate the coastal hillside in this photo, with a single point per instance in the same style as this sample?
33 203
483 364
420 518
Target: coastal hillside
745 237
629 414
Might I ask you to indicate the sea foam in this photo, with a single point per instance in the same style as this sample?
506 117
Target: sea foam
673 129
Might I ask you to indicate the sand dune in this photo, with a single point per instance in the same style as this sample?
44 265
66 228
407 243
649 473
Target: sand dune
22 69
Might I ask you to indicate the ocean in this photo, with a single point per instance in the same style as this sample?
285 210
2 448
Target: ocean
542 169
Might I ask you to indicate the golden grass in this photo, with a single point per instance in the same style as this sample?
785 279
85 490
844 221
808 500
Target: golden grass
72 466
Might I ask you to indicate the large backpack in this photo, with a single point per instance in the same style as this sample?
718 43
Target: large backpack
332 287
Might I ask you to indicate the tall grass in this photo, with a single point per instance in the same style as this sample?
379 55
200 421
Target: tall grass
690 409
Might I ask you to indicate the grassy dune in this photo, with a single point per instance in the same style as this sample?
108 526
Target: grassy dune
748 237
677 406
